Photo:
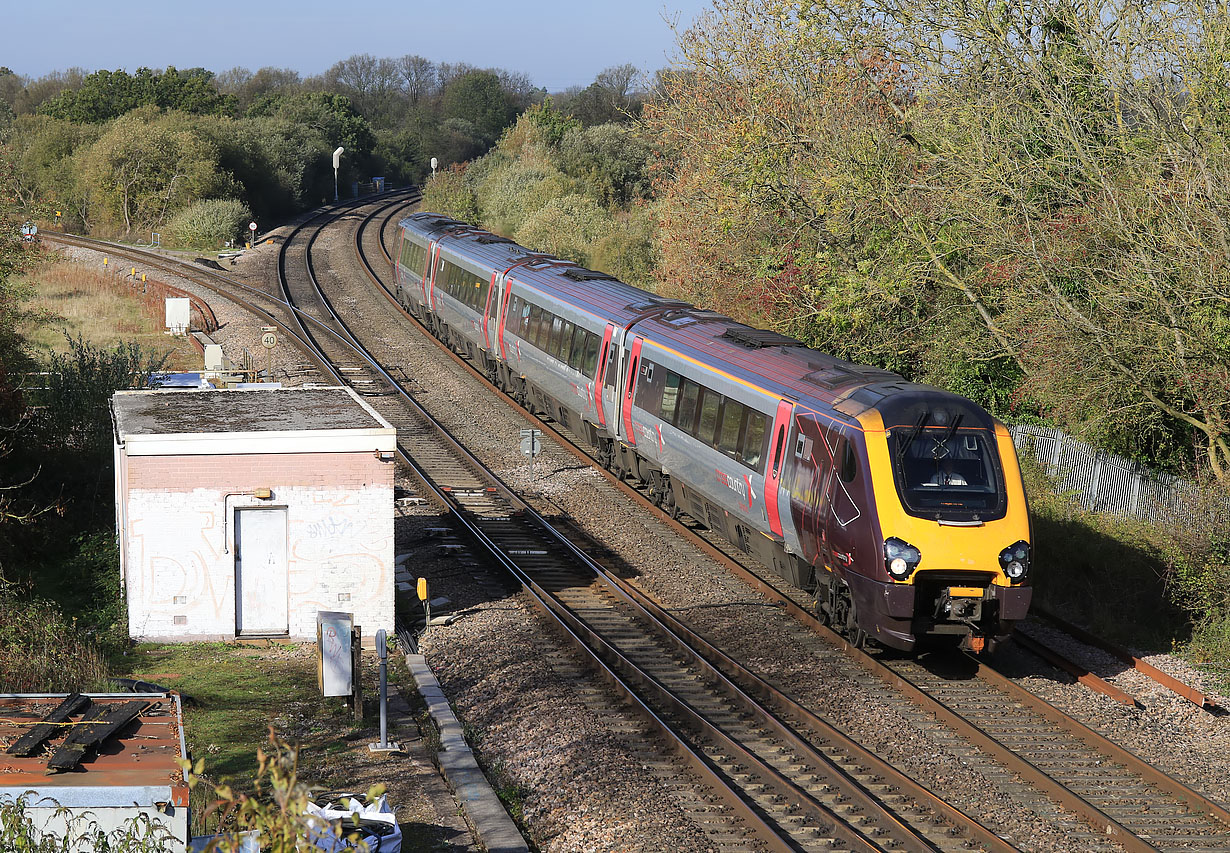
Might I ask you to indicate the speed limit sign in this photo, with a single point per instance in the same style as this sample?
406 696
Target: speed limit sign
269 340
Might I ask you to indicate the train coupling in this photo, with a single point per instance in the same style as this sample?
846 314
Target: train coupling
960 604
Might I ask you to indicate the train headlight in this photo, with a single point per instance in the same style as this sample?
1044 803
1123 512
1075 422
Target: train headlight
900 558
1015 561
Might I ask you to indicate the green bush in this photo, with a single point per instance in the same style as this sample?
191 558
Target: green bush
211 223
509 196
566 227
448 193
42 650
1102 571
626 252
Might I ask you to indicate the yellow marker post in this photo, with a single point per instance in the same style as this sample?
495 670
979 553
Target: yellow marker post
426 604
104 262
142 276
134 272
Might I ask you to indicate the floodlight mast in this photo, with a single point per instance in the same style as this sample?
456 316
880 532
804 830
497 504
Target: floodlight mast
337 162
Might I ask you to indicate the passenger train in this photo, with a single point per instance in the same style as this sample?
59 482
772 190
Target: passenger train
900 505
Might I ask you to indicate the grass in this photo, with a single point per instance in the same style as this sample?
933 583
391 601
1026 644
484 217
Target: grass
237 693
104 308
1107 573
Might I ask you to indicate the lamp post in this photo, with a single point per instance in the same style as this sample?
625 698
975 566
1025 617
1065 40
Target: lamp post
337 162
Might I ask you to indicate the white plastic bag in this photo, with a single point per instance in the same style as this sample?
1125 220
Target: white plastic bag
376 824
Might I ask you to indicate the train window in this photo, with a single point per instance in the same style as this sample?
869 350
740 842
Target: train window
710 403
576 357
612 360
670 396
542 334
941 475
540 323
755 434
592 344
412 257
849 462
513 318
732 423
686 418
523 318
561 338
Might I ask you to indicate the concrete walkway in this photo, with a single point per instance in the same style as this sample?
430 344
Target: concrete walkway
484 811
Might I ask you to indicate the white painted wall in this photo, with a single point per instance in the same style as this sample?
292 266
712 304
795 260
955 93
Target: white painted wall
340 542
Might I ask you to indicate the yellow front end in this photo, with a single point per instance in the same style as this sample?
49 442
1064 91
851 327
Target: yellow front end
959 587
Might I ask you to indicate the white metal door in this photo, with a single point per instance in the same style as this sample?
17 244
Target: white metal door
260 571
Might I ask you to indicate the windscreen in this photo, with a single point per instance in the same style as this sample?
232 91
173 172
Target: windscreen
947 472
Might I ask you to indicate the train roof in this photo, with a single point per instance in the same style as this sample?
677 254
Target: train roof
785 367
597 293
769 360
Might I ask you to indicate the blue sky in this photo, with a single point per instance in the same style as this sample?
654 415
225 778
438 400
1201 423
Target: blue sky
555 42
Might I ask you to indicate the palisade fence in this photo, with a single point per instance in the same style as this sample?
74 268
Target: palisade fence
1104 482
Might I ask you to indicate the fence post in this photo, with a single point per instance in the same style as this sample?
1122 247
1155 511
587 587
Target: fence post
1054 467
1134 503
1095 484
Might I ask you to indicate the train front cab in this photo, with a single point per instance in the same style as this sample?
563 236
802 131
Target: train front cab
952 556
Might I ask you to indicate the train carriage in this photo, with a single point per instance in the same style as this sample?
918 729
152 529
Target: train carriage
900 505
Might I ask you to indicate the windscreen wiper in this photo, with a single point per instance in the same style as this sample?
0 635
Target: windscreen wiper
918 428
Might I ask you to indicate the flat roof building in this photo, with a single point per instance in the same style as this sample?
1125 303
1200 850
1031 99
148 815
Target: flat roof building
242 513
78 777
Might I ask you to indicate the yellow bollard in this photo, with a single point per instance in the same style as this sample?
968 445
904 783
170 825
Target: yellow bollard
134 272
104 262
142 276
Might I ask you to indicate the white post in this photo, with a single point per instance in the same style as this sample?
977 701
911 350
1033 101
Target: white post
337 162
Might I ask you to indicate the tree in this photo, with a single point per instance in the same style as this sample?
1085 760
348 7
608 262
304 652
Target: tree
332 118
419 77
44 176
479 97
372 85
105 95
1023 203
146 167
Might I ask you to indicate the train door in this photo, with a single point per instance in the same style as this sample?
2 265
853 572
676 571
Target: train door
632 363
491 309
429 275
773 471
401 239
840 528
610 380
807 472
604 352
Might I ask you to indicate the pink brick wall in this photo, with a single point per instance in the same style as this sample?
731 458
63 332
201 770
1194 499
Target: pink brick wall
244 472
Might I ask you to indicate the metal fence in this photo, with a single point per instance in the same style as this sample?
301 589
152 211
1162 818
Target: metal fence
1104 482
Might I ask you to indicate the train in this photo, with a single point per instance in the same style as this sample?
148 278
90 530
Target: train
900 506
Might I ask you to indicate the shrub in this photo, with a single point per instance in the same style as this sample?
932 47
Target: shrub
448 193
510 196
567 227
611 159
42 650
626 252
211 223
